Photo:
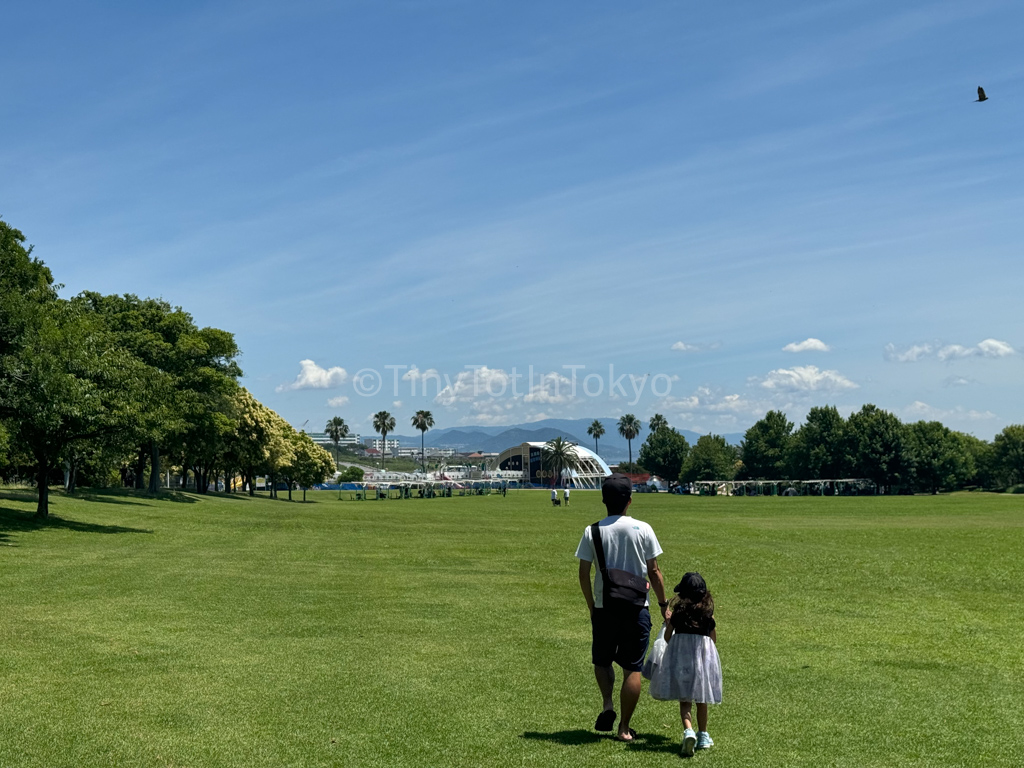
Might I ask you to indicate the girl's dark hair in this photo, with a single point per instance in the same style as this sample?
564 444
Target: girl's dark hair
690 614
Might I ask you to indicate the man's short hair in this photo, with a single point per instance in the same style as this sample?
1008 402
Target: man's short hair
616 491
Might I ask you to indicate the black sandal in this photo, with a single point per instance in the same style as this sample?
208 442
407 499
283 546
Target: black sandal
605 720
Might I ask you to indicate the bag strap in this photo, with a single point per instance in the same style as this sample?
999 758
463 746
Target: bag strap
595 535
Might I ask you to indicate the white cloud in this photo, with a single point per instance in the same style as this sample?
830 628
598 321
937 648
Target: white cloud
682 346
956 381
397 404
808 345
806 378
469 385
312 376
335 402
919 411
551 388
955 351
915 352
992 348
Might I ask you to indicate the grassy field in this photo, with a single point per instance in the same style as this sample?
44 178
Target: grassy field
228 631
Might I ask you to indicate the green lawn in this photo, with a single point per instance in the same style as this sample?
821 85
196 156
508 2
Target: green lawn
228 631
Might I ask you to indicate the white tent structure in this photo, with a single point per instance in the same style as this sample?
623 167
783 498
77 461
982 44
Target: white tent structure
526 458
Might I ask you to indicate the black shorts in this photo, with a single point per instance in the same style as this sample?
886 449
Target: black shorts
620 634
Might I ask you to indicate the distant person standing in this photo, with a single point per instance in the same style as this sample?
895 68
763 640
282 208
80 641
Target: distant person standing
626 551
554 497
566 495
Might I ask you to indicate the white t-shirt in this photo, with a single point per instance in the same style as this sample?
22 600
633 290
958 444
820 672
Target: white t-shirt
628 545
567 493
554 494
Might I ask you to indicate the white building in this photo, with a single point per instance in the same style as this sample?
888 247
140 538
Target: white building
321 438
392 445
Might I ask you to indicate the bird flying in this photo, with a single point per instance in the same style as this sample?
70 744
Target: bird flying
981 94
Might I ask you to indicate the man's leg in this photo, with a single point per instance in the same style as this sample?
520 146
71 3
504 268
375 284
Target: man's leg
606 683
628 697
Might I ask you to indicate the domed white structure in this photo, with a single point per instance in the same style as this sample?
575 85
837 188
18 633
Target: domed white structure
527 458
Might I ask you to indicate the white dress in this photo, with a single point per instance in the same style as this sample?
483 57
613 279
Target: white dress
689 670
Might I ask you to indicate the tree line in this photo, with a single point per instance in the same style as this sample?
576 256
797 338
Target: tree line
99 389
872 444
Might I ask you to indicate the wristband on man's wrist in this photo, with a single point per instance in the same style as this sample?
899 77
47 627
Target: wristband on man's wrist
663 603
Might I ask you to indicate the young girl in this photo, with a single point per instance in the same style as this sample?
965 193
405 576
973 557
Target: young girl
690 671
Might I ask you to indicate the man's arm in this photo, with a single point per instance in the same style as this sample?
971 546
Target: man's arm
657 583
585 585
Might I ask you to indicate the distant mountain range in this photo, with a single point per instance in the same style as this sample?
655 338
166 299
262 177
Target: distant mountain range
611 446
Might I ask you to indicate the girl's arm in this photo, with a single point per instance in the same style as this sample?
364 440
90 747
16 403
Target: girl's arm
668 626
714 636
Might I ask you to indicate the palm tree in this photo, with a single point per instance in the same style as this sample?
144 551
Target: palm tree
629 427
383 422
657 422
596 431
336 429
423 420
559 455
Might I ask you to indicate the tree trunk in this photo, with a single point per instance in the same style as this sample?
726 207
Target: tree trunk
303 495
289 489
251 479
73 476
140 469
43 487
154 472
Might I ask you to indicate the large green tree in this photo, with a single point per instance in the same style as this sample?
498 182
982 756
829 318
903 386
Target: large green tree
766 448
879 446
68 381
711 458
819 449
1008 449
663 453
940 457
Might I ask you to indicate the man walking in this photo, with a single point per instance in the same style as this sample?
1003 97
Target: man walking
620 627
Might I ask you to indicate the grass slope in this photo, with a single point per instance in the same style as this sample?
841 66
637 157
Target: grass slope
228 631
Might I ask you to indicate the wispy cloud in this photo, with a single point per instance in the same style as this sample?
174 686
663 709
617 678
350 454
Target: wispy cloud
808 345
312 376
919 411
337 402
908 355
990 348
682 346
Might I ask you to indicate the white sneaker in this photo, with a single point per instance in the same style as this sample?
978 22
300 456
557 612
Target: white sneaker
689 741
704 740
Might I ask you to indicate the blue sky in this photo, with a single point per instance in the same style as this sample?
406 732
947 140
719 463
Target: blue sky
682 190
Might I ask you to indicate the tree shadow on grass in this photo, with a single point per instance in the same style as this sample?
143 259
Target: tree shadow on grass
644 742
15 521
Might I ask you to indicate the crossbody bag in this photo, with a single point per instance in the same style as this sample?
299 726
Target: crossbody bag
621 587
